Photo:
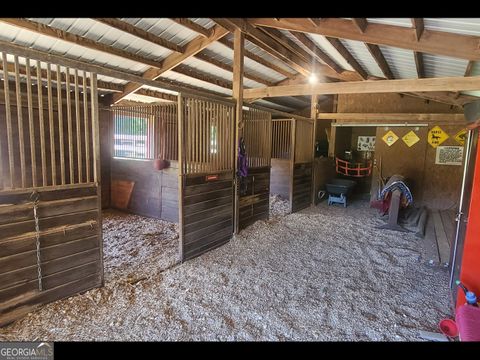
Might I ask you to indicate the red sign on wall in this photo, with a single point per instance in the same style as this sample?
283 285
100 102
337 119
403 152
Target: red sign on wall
211 177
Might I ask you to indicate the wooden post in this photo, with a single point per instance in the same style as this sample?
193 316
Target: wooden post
77 123
85 123
313 115
8 117
293 130
96 162
181 174
238 52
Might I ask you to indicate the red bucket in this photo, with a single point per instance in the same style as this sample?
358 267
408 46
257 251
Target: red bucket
160 164
448 327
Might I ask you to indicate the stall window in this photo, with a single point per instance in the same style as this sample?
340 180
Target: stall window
133 137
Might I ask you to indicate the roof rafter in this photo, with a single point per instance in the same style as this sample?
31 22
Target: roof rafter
361 24
337 44
192 48
419 27
433 42
380 60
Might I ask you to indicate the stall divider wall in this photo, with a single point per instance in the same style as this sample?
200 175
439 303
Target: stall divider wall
206 133
281 159
50 200
155 192
253 191
302 165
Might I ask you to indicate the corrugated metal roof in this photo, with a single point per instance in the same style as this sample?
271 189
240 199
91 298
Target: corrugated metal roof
195 82
206 23
59 47
225 54
400 61
405 22
442 66
363 56
467 26
164 28
328 48
107 35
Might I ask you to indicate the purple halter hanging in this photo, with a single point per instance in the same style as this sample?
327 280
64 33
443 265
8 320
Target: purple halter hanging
242 159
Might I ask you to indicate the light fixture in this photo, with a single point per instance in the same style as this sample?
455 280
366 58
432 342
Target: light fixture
312 79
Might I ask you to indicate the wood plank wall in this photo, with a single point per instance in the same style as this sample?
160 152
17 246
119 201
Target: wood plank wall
155 193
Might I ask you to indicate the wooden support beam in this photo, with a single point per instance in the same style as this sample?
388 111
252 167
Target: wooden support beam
317 52
156 94
78 40
419 64
392 117
189 24
140 33
419 27
192 48
380 60
468 72
369 86
259 59
204 57
101 84
360 23
331 69
337 44
432 42
313 21
238 56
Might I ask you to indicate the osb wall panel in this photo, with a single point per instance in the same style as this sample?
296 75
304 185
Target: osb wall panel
442 183
436 186
390 103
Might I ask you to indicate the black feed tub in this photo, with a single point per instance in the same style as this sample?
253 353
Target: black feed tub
338 190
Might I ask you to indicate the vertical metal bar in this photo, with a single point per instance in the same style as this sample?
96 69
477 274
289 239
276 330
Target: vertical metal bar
86 126
31 127
60 125
8 117
42 123
21 138
78 130
50 125
69 126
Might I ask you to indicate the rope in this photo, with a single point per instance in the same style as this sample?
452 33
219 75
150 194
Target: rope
37 237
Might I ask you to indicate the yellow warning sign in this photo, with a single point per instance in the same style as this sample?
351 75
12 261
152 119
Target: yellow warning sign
460 136
390 138
410 138
437 136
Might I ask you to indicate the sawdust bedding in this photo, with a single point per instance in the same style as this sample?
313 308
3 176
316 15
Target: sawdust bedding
325 273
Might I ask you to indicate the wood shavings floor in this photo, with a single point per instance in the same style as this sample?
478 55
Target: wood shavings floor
325 273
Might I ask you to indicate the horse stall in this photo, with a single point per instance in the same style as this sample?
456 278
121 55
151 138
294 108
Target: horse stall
206 174
253 188
50 219
292 161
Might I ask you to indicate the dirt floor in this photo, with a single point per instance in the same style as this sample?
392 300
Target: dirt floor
325 273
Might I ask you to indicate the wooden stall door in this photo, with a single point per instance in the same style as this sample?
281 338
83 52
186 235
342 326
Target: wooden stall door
253 191
206 168
50 201
302 164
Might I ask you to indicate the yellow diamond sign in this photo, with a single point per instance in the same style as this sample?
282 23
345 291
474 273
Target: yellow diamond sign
410 138
460 136
390 138
436 136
